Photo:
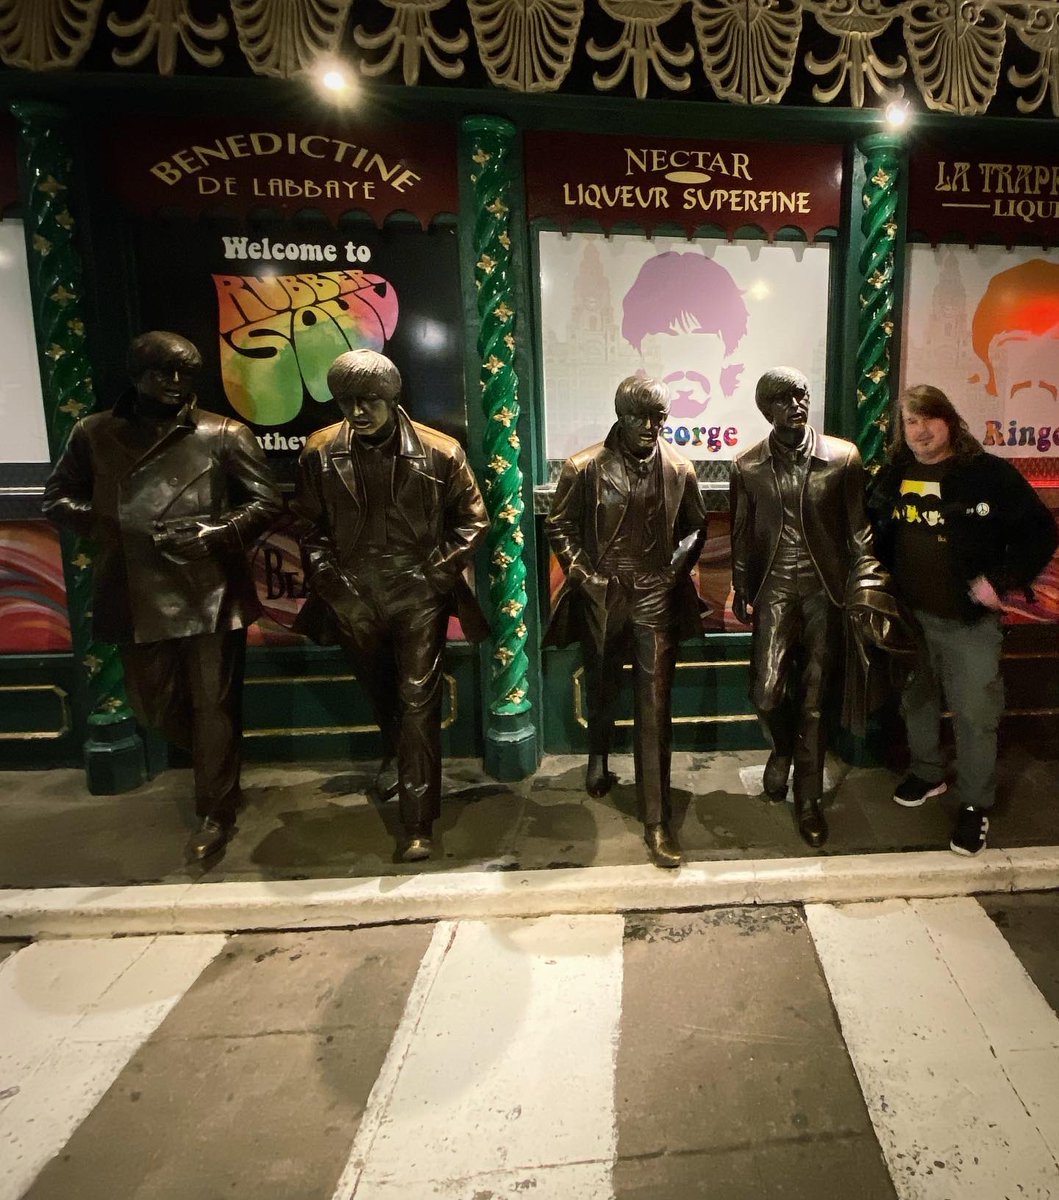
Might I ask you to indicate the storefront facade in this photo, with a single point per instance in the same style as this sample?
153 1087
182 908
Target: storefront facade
521 203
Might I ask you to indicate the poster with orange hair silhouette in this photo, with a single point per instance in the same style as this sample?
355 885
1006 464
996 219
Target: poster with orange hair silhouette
982 324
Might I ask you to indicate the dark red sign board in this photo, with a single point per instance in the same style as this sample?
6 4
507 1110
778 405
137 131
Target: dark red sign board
241 165
652 182
983 195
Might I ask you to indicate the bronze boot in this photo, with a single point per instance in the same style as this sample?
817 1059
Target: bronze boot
384 785
598 780
774 781
210 838
420 845
664 851
810 821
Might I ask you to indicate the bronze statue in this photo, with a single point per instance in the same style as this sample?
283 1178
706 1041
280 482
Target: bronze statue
801 555
627 524
173 497
391 514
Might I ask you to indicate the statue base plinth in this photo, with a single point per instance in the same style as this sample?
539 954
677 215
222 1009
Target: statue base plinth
511 750
114 758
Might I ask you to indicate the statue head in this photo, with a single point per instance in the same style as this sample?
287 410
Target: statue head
366 387
642 406
162 367
782 397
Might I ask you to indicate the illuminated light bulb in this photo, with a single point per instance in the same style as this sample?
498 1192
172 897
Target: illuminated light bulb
897 113
334 81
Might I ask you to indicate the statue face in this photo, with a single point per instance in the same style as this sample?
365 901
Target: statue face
641 428
789 413
368 407
171 383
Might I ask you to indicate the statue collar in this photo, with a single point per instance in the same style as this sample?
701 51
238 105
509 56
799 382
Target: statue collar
125 406
794 454
409 443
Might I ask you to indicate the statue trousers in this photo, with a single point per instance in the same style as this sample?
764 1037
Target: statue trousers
191 690
394 631
634 622
796 630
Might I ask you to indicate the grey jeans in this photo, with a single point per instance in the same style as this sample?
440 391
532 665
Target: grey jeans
964 662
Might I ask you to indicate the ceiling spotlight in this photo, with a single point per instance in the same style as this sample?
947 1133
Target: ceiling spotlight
334 80
897 113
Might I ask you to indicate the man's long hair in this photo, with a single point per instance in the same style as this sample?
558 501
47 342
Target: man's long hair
926 401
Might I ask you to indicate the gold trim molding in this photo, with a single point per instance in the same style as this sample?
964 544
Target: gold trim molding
740 51
627 723
40 735
447 719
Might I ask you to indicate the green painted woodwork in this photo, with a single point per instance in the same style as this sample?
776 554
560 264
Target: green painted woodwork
710 707
510 736
875 331
303 703
114 755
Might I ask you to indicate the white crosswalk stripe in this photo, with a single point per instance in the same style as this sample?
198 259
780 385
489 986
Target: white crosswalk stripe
506 1082
72 1014
512 1070
952 1043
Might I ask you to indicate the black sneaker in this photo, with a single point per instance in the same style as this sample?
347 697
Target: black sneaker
912 791
968 834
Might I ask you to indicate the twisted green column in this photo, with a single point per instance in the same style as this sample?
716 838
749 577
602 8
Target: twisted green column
113 753
511 739
875 330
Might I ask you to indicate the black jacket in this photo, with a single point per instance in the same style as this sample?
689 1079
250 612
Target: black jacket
833 518
107 487
996 524
433 486
590 502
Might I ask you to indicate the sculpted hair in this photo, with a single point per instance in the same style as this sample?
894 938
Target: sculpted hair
924 400
776 383
160 349
358 369
638 392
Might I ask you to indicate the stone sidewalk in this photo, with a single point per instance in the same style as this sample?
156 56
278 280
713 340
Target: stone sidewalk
317 822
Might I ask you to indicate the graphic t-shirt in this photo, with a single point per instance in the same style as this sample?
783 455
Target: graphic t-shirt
922 563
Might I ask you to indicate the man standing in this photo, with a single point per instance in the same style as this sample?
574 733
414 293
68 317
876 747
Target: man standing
801 553
391 516
627 524
988 533
173 497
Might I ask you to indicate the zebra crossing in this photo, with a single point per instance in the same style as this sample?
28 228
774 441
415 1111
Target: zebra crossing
891 1049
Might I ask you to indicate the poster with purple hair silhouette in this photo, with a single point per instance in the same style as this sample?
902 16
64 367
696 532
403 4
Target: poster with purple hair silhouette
707 316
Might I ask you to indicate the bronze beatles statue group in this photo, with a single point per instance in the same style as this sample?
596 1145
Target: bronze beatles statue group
390 515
